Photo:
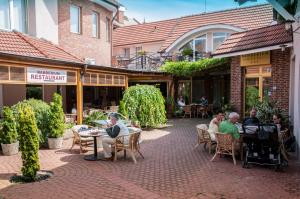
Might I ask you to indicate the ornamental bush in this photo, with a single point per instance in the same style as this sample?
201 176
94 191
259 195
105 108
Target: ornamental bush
56 117
41 112
187 68
145 104
8 127
29 142
96 115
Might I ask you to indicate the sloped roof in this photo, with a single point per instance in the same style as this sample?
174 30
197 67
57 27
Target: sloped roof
168 31
17 43
254 39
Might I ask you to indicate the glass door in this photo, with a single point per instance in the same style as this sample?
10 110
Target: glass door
257 85
252 93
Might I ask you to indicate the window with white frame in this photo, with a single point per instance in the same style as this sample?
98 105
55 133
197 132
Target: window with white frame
75 19
126 52
13 15
219 38
199 47
195 48
108 29
95 25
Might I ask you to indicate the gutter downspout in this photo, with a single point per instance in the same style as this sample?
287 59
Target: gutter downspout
111 43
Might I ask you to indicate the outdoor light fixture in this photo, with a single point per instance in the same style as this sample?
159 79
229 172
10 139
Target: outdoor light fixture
288 24
283 46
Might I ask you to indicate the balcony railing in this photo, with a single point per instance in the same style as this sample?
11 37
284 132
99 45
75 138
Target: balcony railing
146 61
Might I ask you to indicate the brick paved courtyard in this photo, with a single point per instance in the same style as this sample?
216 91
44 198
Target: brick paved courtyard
171 169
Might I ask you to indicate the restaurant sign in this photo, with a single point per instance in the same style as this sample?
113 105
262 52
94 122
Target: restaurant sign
44 76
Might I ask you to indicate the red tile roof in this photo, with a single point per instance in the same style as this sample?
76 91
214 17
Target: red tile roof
254 39
168 31
17 43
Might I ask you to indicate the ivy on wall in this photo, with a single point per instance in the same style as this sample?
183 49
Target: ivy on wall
186 68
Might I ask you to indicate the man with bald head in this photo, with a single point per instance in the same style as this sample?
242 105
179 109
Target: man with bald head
117 128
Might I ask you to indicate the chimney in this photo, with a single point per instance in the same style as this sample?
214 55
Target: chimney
120 17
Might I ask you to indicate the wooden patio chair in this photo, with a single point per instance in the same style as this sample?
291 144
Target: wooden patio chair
204 137
132 146
202 110
187 110
225 145
81 141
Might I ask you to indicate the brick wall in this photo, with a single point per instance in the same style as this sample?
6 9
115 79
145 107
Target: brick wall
236 84
279 85
84 45
281 77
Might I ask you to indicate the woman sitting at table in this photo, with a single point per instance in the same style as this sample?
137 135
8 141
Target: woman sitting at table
116 128
214 125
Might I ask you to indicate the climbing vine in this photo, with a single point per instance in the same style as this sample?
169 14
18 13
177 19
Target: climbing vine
186 68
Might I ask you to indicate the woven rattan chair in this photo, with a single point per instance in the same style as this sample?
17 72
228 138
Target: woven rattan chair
225 145
81 141
133 145
204 137
283 136
187 110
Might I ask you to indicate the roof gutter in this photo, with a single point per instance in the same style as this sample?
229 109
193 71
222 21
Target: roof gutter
250 51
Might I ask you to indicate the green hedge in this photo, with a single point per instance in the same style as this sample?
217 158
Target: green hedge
145 104
186 68
41 112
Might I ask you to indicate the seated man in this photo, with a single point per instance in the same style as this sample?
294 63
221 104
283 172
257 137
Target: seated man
229 127
203 101
181 102
116 128
252 120
214 125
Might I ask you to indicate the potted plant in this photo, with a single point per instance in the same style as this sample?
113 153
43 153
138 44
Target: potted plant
170 106
8 132
56 123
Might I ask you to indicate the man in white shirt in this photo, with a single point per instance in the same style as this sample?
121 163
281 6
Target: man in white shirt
117 128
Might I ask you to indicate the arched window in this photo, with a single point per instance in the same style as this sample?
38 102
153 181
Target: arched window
195 48
218 39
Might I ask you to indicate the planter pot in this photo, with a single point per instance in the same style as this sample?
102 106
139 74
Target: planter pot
55 143
10 149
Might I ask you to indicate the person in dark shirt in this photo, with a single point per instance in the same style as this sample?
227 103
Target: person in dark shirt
252 120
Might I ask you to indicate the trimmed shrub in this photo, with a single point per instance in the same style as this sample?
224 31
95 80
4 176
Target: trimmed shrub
56 117
41 112
29 142
96 115
8 127
145 104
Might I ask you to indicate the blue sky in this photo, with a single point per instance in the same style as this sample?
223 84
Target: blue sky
154 10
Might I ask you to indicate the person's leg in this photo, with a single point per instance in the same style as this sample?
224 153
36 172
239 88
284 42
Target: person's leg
106 143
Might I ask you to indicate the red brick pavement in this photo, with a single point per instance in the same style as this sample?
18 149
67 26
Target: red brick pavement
171 169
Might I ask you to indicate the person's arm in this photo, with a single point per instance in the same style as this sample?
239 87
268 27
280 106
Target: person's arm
113 131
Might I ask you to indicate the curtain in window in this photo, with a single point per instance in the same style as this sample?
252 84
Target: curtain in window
4 14
75 19
19 15
95 27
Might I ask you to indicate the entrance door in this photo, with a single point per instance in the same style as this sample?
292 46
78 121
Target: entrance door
257 85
